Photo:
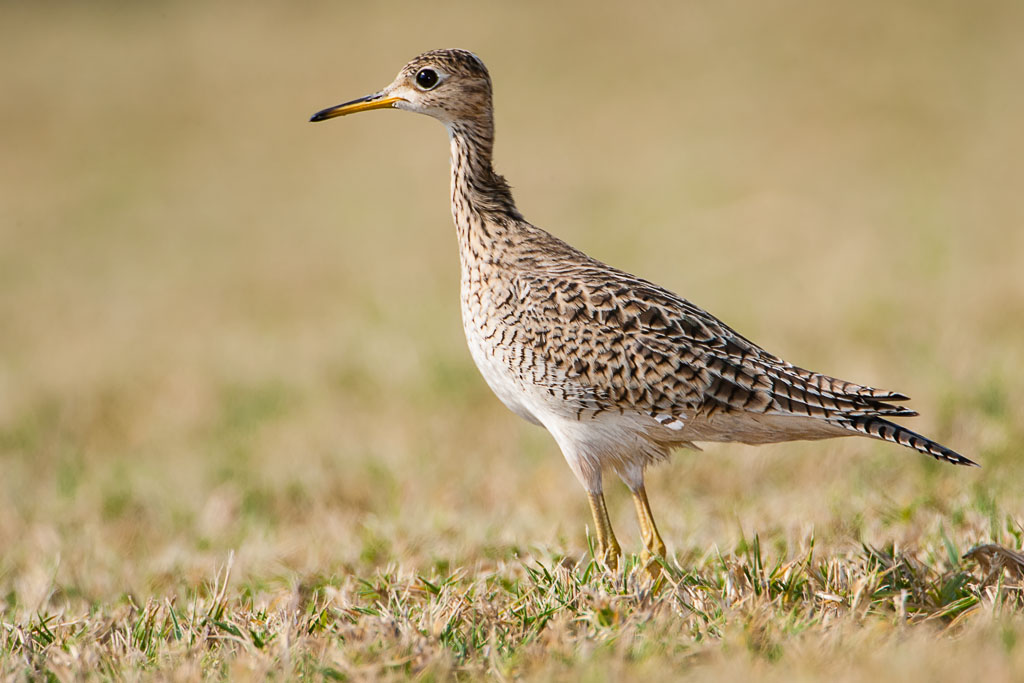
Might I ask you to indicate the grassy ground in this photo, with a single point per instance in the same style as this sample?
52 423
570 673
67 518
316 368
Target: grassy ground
240 434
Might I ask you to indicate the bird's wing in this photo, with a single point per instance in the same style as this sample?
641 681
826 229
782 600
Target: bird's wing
619 340
639 344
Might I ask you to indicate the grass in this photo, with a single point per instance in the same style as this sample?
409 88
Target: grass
549 616
241 437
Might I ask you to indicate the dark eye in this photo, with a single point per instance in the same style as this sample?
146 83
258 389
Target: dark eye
426 78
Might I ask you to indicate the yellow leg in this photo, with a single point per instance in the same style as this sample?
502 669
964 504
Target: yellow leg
653 545
608 549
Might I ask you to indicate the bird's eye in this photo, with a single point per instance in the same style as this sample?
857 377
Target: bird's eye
427 79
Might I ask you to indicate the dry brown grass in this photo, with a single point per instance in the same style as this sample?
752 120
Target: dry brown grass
227 333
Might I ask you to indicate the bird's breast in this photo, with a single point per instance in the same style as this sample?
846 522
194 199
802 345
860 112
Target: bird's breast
498 342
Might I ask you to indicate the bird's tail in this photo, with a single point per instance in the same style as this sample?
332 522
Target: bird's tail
879 428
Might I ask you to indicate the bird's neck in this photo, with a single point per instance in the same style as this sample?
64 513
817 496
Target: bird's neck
482 203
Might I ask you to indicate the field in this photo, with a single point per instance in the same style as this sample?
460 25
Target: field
241 436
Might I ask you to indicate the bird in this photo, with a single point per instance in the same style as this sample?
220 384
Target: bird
619 370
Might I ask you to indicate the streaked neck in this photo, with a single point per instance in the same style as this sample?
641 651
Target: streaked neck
476 188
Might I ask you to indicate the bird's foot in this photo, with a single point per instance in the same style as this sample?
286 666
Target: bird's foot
649 560
609 554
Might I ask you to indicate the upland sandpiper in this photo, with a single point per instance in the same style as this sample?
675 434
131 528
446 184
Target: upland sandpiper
618 369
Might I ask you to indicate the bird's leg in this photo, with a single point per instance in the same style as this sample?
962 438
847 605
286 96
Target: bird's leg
653 545
608 549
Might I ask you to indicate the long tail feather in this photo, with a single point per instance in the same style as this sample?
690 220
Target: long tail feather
888 431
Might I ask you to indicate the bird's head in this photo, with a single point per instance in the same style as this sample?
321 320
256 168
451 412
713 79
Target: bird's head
450 85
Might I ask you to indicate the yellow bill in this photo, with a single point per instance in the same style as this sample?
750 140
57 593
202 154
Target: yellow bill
375 101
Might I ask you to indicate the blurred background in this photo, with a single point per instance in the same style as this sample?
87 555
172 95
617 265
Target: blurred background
222 327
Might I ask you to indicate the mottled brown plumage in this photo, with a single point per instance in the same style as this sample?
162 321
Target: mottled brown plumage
618 369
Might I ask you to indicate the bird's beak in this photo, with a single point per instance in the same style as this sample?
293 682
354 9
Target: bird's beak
375 101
